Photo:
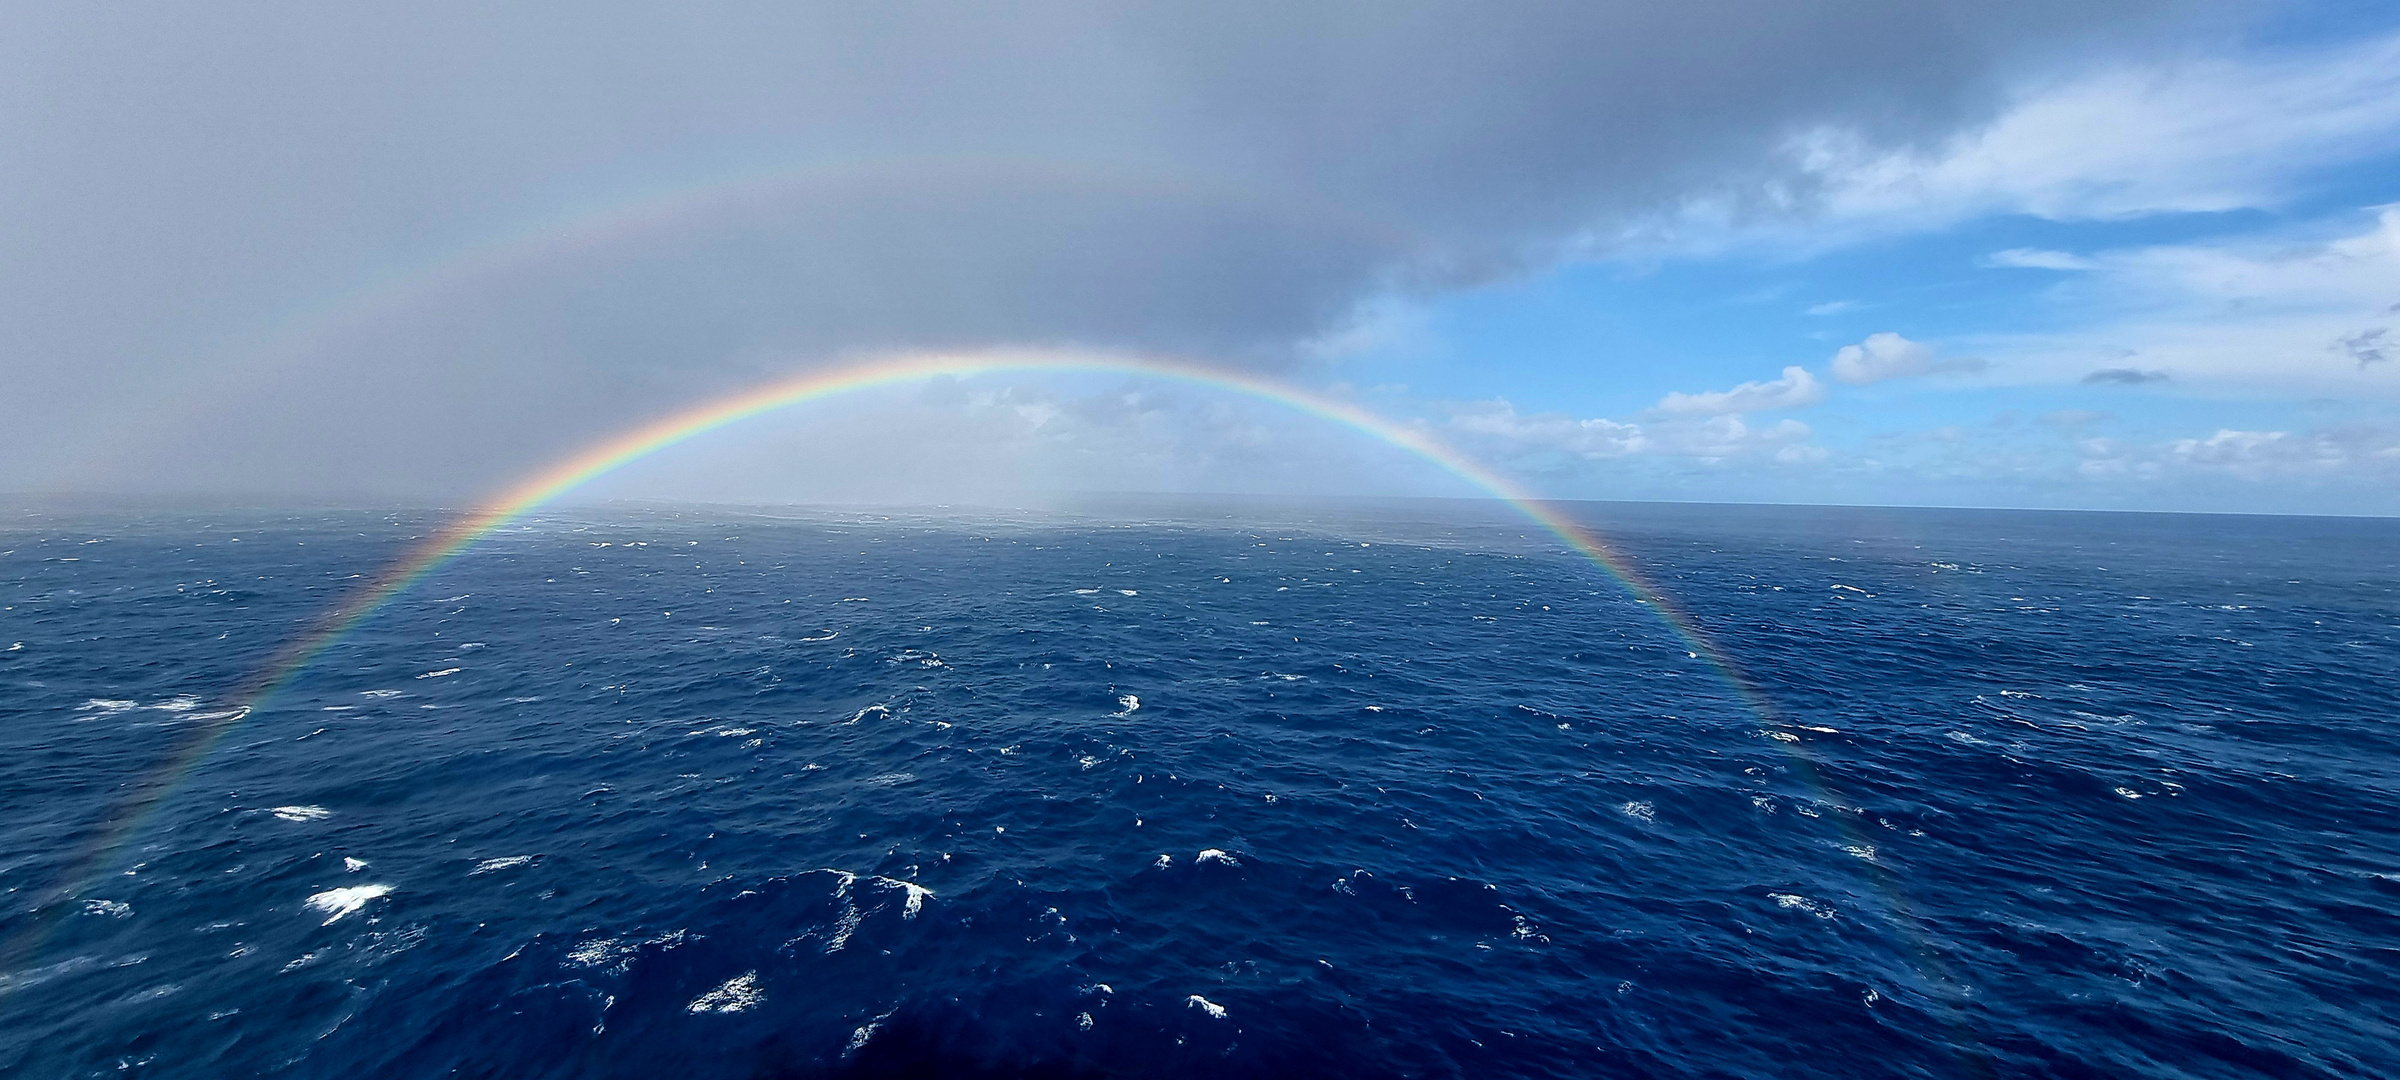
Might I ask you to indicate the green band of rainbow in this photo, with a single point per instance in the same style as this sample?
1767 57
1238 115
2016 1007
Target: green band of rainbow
607 457
559 480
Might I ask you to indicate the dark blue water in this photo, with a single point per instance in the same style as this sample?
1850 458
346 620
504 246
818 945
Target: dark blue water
1249 790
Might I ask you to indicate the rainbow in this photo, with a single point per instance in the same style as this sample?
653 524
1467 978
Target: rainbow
561 479
567 476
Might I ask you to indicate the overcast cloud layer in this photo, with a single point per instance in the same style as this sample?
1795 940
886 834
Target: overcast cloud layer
298 248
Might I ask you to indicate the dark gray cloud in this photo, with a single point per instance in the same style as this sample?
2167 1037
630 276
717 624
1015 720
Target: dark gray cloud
2123 376
203 200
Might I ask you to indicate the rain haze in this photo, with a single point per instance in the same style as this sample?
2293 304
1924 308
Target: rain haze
2032 254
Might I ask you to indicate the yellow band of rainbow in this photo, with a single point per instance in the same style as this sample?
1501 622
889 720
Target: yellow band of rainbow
567 476
549 485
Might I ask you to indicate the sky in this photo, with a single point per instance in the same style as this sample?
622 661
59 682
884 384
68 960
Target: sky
2109 255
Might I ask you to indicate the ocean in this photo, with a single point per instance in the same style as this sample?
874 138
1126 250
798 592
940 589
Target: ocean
1200 788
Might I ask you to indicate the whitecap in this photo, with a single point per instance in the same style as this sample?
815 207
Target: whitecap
1127 703
1795 900
1127 592
178 703
353 865
601 952
502 863
1213 1009
739 993
916 896
1642 810
302 813
845 926
860 1035
1216 855
107 706
336 903
382 693
439 674
1164 861
115 909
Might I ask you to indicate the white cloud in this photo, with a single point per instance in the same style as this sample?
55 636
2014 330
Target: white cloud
2180 134
1588 439
2260 454
1890 356
2189 134
2036 259
1710 438
2275 315
2355 452
1796 389
1720 438
1832 307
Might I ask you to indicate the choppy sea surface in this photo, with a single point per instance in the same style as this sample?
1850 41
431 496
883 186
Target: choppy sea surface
1201 789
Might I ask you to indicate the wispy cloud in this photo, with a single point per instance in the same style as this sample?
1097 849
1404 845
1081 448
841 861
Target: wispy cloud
1795 389
1890 356
2181 135
2288 314
2123 376
2036 259
2357 453
2184 133
1503 433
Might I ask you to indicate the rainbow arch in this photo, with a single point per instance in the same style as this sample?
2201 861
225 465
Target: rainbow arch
606 457
149 793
